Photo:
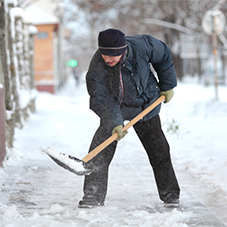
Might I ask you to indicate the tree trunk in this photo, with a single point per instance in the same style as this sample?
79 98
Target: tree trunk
14 80
5 69
178 64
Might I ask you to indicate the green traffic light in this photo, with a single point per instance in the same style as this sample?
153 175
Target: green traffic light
72 63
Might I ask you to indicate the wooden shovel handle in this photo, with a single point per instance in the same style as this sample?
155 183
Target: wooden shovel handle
108 141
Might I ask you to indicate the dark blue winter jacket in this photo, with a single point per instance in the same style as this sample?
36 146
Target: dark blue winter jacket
141 87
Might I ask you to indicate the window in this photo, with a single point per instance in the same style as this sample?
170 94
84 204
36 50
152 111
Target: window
42 35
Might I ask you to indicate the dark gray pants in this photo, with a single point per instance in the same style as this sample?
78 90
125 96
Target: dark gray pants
157 148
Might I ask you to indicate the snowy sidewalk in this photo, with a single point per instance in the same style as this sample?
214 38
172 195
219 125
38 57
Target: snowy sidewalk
41 194
36 192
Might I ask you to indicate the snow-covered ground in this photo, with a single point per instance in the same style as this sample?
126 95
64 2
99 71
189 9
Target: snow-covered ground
36 192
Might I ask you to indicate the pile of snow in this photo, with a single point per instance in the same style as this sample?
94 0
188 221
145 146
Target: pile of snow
200 140
73 164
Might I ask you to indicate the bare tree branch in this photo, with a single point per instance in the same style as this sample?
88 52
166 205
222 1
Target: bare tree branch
219 4
168 25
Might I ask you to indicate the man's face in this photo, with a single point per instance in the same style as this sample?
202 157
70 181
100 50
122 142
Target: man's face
111 60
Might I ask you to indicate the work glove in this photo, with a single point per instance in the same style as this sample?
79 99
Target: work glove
168 94
118 129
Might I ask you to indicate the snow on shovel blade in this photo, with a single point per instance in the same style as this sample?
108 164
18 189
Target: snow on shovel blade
69 162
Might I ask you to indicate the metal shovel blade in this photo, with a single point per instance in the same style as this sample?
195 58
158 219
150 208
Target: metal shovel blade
69 162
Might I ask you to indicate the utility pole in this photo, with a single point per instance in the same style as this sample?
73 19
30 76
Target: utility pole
215 55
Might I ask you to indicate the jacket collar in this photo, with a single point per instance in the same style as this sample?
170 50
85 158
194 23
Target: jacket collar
129 57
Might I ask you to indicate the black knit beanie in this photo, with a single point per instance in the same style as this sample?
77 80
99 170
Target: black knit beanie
112 42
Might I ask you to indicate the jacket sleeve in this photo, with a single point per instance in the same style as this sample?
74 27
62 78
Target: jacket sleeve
161 60
102 101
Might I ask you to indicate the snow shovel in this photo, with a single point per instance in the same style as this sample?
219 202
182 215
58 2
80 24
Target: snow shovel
82 167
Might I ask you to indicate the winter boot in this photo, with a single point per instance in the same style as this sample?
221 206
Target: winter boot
172 203
89 203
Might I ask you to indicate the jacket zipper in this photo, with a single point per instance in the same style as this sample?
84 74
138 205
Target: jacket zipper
121 88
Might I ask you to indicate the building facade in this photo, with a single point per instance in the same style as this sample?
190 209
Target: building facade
48 58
